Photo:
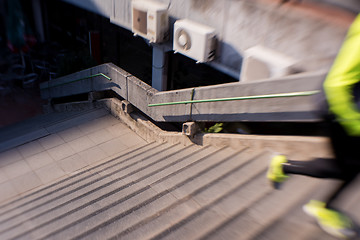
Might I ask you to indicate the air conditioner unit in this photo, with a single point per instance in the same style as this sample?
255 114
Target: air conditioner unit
194 40
260 62
150 20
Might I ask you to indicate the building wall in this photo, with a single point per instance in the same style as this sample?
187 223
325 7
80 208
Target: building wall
310 32
101 7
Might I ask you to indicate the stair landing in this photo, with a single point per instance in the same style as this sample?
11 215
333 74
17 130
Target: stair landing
60 149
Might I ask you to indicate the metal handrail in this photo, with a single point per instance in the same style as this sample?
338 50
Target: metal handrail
278 95
79 79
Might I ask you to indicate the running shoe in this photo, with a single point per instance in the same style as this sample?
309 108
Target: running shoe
331 221
275 172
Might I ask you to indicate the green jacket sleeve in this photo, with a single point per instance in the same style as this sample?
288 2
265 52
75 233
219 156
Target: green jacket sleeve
339 83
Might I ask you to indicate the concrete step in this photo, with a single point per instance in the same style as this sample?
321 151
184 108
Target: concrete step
79 204
250 222
60 193
171 191
294 223
130 206
71 145
164 191
82 186
125 204
215 202
151 201
196 198
78 179
297 225
200 224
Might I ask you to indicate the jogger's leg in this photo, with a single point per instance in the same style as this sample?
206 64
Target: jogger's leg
319 168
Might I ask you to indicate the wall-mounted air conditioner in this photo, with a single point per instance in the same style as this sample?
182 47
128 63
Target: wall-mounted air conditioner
260 62
194 40
150 20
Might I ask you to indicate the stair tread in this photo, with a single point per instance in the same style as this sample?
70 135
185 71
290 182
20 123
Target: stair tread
59 193
194 201
77 178
88 223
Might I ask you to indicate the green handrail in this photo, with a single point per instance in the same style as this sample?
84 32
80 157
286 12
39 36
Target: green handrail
278 95
79 79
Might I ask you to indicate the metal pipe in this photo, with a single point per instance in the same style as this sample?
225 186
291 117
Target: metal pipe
76 80
278 95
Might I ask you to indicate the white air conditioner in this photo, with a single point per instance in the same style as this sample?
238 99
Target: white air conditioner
194 40
150 20
260 62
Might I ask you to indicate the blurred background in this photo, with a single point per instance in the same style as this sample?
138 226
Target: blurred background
41 40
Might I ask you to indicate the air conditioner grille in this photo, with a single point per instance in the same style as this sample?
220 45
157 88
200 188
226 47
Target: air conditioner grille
183 39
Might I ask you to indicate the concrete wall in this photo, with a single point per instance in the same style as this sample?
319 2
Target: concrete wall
303 32
310 32
101 7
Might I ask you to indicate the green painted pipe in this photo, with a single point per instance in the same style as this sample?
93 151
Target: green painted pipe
278 95
76 80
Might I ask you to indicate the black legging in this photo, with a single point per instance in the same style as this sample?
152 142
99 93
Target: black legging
345 165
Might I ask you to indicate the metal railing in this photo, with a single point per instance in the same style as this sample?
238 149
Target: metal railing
278 95
76 80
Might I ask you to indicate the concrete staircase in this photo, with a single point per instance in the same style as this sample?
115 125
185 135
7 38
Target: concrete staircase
152 190
155 191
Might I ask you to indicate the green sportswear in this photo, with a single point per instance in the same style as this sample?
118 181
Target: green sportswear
340 82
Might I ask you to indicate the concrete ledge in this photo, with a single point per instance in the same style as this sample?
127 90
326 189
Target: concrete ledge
296 147
142 126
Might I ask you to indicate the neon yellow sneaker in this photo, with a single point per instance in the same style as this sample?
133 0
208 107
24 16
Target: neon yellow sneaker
333 222
275 172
